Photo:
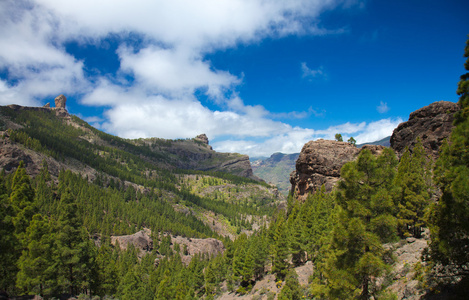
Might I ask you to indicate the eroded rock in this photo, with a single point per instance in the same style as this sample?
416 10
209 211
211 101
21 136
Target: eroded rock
191 247
320 163
141 240
432 124
60 101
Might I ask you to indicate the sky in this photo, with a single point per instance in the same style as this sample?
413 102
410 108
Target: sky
256 76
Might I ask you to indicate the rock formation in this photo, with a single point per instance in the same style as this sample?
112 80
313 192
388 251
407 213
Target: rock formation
188 246
60 101
141 240
209 246
47 105
202 138
320 163
432 124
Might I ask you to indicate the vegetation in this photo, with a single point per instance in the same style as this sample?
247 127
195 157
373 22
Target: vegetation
449 218
46 223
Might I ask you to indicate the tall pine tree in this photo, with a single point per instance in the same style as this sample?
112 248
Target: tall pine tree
449 219
366 196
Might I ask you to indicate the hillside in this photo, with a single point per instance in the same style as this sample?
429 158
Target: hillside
65 142
135 219
276 170
383 142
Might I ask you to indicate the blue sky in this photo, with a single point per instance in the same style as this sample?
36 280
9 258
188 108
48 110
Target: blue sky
257 76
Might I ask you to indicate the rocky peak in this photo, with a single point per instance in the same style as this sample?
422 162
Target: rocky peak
319 163
203 138
432 124
60 101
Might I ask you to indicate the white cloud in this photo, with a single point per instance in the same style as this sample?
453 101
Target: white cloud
293 139
382 107
167 67
174 71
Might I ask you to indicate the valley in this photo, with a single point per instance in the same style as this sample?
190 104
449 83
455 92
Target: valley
163 219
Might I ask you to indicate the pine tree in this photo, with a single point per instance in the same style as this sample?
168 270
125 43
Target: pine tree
366 198
72 248
449 218
414 198
8 241
22 200
36 264
280 249
107 274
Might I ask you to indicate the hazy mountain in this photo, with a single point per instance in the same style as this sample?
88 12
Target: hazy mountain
276 170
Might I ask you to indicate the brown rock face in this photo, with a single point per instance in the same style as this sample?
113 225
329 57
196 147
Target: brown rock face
60 101
432 124
320 163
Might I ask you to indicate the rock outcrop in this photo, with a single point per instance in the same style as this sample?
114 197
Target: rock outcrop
188 246
320 163
141 240
202 138
197 154
60 101
432 124
191 247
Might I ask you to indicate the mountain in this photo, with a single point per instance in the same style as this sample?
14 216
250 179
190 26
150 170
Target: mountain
383 142
87 213
191 177
276 170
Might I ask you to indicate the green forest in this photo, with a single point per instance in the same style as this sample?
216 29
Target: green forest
55 232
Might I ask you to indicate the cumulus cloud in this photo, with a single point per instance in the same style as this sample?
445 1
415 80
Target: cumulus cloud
153 93
293 139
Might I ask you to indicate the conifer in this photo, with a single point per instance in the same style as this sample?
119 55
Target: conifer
449 218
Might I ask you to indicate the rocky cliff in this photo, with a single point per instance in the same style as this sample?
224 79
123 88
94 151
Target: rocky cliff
432 124
197 154
319 163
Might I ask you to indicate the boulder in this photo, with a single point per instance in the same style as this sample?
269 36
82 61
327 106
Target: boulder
60 101
432 124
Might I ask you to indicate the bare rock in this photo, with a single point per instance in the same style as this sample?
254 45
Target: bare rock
202 138
209 247
141 240
47 105
432 124
320 163
60 101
